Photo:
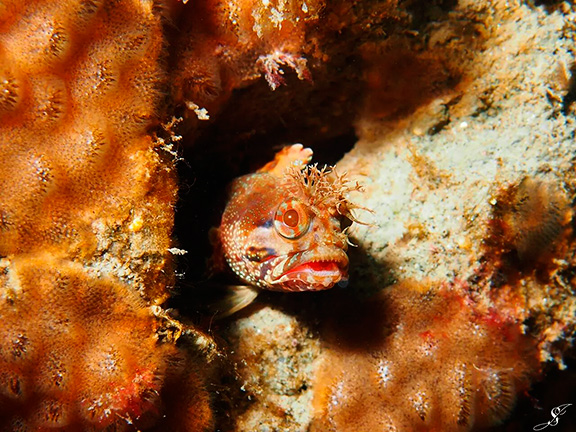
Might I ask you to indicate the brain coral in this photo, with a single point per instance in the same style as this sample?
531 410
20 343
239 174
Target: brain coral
86 213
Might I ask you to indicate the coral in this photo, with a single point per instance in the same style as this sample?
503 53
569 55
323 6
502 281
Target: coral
86 215
527 259
75 350
186 404
230 43
431 362
460 191
80 175
227 45
80 353
530 220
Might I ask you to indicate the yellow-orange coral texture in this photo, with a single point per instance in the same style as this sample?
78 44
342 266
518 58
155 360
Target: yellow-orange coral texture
86 214
432 361
87 198
228 44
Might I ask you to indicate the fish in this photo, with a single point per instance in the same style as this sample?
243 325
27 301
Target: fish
283 226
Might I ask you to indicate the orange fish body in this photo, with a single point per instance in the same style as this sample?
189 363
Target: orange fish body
281 229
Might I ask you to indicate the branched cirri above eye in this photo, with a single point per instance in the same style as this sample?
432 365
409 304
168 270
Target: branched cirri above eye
292 219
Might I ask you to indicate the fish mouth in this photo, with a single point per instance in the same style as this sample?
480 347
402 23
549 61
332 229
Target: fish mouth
301 272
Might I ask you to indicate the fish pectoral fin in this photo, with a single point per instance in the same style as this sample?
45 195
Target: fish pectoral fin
236 298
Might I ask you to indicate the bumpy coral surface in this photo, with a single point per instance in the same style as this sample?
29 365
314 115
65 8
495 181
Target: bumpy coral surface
80 176
530 226
86 213
430 361
74 350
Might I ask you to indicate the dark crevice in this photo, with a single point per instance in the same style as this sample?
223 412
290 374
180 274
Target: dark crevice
570 96
549 5
204 176
424 12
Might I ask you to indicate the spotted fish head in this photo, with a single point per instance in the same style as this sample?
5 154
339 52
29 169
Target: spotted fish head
287 235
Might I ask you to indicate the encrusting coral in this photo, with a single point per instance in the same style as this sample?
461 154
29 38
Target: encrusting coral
79 170
431 361
530 220
485 257
75 350
86 215
227 45
527 257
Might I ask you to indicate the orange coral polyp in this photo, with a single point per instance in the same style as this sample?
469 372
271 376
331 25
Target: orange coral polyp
442 365
131 399
86 215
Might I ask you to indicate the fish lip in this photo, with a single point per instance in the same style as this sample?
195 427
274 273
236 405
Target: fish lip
299 259
293 274
339 267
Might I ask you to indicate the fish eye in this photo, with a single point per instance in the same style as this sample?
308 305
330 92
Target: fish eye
292 219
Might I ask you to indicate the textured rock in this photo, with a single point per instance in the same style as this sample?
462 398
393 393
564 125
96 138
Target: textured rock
464 128
273 361
440 181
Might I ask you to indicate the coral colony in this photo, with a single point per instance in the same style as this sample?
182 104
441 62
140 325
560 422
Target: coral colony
447 366
86 214
91 336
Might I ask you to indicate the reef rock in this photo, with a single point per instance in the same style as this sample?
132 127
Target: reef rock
466 155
